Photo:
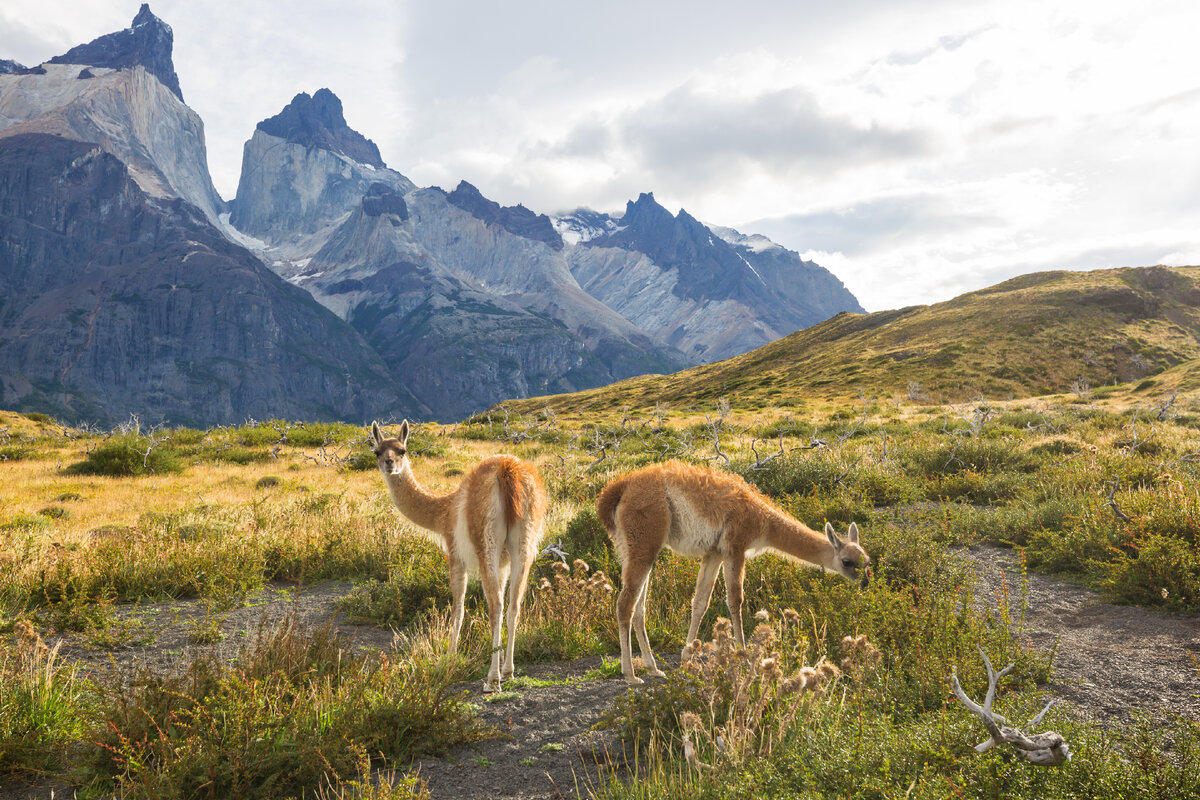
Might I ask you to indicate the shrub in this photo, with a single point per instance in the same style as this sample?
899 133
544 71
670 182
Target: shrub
126 456
568 616
1165 572
298 710
42 705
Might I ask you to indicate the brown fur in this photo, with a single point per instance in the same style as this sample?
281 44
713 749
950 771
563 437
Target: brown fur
711 515
477 536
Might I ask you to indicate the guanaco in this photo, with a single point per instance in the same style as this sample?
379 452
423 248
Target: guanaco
715 517
489 526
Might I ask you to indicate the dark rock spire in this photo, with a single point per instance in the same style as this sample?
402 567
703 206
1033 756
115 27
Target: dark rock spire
147 43
317 121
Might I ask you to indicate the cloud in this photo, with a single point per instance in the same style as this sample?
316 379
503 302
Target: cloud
876 225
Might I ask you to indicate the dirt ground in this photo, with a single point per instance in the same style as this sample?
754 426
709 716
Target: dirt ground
1110 663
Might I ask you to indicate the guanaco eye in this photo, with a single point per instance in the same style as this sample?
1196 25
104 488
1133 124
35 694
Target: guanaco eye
402 451
848 564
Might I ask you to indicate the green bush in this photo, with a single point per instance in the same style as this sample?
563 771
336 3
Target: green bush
1165 572
296 711
126 456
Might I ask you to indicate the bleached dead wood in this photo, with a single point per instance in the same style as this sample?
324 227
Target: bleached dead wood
1047 749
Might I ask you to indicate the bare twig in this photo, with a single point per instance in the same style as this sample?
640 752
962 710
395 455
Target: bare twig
1113 487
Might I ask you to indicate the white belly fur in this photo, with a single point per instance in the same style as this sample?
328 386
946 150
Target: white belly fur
692 533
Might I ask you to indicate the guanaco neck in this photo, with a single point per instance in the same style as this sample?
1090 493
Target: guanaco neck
426 509
792 538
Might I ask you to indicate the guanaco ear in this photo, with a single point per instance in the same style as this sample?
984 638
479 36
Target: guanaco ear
376 434
852 533
403 437
831 534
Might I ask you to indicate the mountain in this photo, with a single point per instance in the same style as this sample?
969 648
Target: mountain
121 92
468 300
118 291
146 43
303 171
1037 334
712 293
331 286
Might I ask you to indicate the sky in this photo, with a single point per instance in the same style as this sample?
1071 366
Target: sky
917 148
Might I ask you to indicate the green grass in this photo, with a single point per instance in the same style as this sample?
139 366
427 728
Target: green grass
297 712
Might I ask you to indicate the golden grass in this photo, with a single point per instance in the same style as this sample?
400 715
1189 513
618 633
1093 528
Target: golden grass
1033 335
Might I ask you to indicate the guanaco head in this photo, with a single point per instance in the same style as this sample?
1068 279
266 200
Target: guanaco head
391 453
849 559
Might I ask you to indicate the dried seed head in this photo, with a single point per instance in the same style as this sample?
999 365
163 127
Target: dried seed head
829 670
791 615
769 667
763 636
581 565
762 615
560 568
690 721
791 685
544 584
693 648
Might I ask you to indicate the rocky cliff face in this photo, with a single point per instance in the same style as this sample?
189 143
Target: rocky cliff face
678 279
116 302
128 112
304 170
470 301
147 43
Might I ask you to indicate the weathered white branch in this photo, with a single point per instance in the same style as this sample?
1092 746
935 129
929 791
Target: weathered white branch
1042 749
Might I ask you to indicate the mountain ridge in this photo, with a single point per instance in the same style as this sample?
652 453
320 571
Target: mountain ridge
1036 334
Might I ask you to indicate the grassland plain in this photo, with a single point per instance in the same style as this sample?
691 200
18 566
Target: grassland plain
96 526
1033 335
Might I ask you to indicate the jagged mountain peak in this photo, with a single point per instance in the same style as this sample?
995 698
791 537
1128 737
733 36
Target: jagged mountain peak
8 66
317 121
147 42
517 220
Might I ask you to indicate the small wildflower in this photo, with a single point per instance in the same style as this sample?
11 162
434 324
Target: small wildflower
1164 594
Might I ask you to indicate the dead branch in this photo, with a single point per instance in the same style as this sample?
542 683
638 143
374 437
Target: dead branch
1113 487
1047 749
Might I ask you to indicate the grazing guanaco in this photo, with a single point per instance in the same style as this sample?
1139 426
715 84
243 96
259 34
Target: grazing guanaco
715 517
489 526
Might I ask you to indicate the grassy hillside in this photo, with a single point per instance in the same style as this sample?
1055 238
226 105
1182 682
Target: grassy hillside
1037 334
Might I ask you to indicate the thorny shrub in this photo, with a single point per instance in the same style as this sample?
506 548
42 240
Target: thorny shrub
729 704
570 615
